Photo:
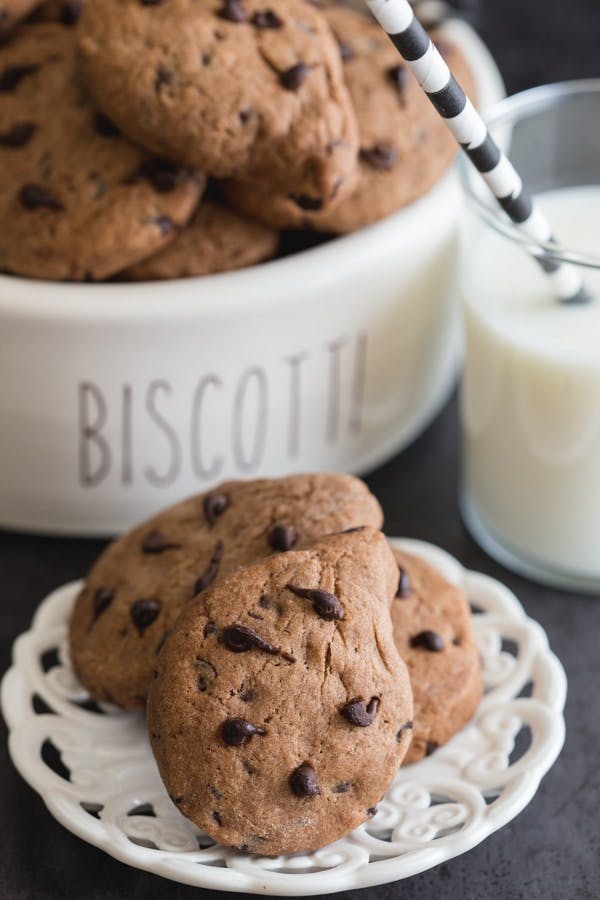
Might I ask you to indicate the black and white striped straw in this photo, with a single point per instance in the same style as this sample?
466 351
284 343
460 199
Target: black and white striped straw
420 54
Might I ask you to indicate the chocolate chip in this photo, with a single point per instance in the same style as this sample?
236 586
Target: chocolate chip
105 126
293 78
398 75
70 12
143 613
342 787
371 811
217 817
404 588
248 696
34 196
164 224
380 156
236 732
266 19
245 115
206 674
430 747
428 640
240 639
156 542
161 642
359 712
11 77
18 135
162 174
324 604
303 781
265 603
233 11
151 2
209 575
407 726
283 537
346 51
306 202
214 506
101 600
163 76
98 184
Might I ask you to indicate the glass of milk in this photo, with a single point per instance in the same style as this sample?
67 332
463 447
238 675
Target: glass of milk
530 399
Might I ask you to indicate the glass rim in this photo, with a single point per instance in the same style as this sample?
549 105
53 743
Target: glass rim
507 112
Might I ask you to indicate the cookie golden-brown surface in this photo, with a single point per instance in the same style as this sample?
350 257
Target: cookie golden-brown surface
77 200
405 146
230 87
278 712
216 240
12 11
433 633
143 580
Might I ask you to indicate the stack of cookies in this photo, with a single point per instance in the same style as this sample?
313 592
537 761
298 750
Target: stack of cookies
152 139
288 659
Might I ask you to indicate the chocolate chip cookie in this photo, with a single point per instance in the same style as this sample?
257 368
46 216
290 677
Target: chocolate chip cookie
12 11
433 633
232 87
216 240
278 713
405 147
66 12
77 200
142 581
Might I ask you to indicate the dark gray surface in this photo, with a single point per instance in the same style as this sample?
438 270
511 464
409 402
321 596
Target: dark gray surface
552 850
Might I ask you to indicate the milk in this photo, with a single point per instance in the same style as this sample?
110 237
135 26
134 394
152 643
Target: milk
531 400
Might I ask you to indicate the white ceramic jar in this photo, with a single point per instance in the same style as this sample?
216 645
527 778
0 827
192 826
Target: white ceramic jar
117 399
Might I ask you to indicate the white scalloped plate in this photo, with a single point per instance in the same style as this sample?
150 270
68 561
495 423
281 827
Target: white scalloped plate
434 810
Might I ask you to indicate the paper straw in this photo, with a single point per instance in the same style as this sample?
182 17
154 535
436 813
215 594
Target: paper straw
420 54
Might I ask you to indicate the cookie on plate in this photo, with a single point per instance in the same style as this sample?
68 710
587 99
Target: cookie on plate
66 12
77 200
13 11
278 713
433 632
405 147
142 581
216 240
232 87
